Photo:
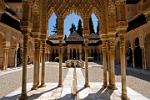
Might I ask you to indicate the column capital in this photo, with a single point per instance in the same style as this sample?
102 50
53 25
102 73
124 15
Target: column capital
6 48
111 36
37 43
111 40
147 15
86 41
104 37
122 26
6 44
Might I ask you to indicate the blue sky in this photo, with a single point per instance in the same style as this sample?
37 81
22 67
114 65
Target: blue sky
71 18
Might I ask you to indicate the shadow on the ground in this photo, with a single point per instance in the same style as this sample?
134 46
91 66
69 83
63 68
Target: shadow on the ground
132 72
102 94
32 97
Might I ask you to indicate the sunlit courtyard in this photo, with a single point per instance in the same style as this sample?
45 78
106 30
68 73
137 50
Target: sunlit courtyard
73 84
74 50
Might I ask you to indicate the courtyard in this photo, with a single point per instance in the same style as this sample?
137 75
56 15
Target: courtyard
74 49
138 84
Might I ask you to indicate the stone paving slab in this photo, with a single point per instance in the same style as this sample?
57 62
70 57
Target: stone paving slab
94 92
11 70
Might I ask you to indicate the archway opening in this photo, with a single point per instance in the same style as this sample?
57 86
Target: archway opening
52 37
117 54
73 35
129 55
94 37
74 54
137 54
19 59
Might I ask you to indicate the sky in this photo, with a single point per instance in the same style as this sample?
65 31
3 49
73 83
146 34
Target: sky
71 18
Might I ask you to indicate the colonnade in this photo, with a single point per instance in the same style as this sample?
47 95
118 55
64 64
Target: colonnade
75 50
108 47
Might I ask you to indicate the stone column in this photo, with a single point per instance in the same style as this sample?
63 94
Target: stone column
15 58
26 29
123 66
133 62
24 62
36 64
68 52
104 53
86 63
5 58
72 53
143 58
112 63
43 64
86 40
80 53
60 63
60 38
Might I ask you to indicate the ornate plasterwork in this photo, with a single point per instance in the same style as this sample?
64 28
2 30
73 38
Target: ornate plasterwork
105 11
36 6
2 6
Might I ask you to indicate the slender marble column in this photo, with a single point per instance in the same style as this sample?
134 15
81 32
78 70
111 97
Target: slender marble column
5 58
60 63
123 67
43 64
24 71
60 38
86 40
104 53
86 65
68 52
133 62
80 53
36 64
112 64
143 58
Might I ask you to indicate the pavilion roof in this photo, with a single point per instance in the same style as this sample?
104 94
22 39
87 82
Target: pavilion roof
74 37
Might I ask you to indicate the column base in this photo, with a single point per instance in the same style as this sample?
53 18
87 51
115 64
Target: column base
124 97
86 85
60 85
34 87
23 97
4 68
42 85
104 85
112 87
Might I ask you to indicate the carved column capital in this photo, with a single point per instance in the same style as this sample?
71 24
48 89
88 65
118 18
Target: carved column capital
112 39
37 43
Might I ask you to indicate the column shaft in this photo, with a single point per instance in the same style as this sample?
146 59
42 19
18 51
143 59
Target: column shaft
5 61
109 65
133 62
68 52
36 64
112 66
24 71
60 63
143 58
123 69
80 53
104 53
86 66
43 65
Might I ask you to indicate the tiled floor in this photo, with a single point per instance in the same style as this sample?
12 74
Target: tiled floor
94 92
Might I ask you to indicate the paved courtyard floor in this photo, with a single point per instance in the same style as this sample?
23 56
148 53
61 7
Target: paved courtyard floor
73 84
